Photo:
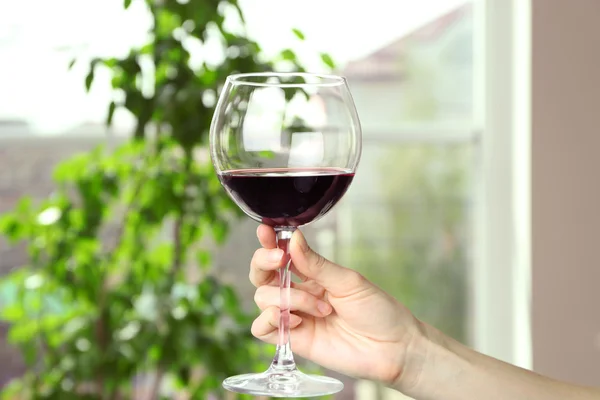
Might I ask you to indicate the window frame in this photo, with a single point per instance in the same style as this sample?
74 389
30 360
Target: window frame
501 297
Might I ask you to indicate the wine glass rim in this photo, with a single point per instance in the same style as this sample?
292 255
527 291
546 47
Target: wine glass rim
323 80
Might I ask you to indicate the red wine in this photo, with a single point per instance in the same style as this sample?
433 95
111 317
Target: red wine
286 197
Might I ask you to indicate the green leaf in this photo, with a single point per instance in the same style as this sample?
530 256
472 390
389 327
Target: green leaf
204 258
24 205
208 76
326 58
14 389
162 255
70 169
298 34
288 54
110 62
12 313
89 78
71 64
230 300
148 48
11 227
111 112
24 331
126 4
268 154
219 231
166 21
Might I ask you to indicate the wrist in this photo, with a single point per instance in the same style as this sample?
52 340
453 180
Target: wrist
432 361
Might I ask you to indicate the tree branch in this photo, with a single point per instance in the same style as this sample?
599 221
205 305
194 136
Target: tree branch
153 393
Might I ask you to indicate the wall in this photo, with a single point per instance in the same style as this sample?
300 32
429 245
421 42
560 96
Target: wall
566 189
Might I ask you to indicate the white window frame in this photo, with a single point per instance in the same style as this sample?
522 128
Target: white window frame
501 278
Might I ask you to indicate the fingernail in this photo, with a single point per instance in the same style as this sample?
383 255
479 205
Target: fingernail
323 307
275 255
295 320
302 241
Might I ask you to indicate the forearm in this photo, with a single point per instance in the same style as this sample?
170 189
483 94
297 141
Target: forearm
452 371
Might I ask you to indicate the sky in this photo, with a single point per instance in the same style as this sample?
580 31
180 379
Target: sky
39 37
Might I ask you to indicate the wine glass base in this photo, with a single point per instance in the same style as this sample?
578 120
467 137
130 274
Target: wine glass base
283 384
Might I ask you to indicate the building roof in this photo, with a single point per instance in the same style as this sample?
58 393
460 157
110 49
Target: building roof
14 127
385 63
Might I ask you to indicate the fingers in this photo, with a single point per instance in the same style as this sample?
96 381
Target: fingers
337 280
267 323
266 237
264 265
266 261
299 274
311 287
306 263
268 296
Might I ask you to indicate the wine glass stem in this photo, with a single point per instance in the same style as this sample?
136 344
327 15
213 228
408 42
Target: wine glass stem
284 358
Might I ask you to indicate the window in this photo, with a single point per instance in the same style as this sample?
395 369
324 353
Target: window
406 221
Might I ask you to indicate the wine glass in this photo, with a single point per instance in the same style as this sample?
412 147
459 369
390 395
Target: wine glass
285 147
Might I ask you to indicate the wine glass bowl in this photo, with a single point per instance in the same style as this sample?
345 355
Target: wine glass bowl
285 147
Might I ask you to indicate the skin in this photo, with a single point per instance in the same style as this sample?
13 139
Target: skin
345 323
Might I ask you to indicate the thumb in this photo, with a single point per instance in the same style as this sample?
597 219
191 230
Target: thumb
337 280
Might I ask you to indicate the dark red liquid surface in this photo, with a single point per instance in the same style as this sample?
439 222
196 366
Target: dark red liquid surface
286 197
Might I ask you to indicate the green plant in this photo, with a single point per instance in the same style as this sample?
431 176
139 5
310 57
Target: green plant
118 284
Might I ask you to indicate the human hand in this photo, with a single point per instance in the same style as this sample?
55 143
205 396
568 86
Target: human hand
345 323
338 319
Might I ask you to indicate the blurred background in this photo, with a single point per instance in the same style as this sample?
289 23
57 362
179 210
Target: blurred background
124 267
